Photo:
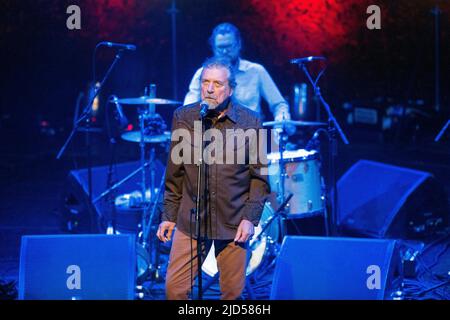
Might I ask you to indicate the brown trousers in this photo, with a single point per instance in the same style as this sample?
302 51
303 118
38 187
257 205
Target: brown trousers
231 263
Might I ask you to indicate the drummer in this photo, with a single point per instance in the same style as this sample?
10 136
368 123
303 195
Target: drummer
252 79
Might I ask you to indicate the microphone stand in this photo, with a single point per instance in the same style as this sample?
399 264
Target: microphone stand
439 136
85 117
333 126
111 223
200 178
282 148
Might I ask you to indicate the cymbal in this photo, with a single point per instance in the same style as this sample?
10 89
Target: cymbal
135 136
147 100
292 123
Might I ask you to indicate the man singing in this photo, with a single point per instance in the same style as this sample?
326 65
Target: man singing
236 190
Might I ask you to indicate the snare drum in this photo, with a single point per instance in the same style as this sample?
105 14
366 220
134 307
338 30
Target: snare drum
261 250
302 179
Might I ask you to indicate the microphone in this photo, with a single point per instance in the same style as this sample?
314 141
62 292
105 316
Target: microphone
125 46
307 59
204 106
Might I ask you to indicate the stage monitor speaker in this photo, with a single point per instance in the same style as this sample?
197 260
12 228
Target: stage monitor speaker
326 268
77 267
76 218
385 201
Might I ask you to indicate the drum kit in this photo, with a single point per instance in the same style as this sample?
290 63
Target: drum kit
296 173
136 212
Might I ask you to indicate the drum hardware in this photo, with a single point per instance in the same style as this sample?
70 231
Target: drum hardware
85 118
263 248
441 132
200 199
117 184
130 209
148 100
298 172
264 245
279 212
139 208
302 178
261 245
280 126
271 252
295 170
135 136
151 129
284 123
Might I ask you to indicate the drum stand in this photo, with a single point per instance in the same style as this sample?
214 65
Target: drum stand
85 117
145 241
280 212
116 185
150 207
333 126
277 214
282 147
283 210
439 136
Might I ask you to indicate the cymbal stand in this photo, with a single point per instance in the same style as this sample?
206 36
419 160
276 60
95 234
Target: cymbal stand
333 127
439 136
282 139
152 114
146 113
280 212
277 215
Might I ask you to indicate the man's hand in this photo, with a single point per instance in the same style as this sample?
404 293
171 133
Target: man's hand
281 115
165 226
245 231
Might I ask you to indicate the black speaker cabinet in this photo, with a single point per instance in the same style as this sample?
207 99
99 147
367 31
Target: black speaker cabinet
385 201
77 267
327 268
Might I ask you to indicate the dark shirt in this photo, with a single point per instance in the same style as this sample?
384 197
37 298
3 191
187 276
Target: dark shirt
235 191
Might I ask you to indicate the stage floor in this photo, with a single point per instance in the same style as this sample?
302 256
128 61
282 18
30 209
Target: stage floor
30 204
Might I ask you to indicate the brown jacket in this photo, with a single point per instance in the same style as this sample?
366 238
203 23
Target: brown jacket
235 191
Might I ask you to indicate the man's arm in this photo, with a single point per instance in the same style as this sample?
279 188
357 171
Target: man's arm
269 91
275 100
173 192
259 182
194 89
